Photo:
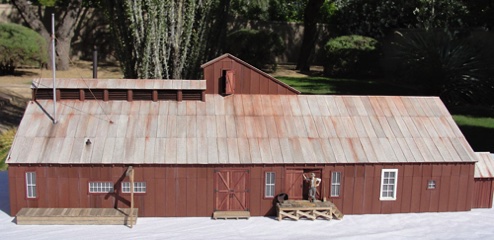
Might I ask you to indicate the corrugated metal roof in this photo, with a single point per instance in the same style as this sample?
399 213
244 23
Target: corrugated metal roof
68 83
242 129
484 168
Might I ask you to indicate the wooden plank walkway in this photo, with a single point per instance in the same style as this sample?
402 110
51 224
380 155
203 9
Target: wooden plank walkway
76 216
296 209
231 214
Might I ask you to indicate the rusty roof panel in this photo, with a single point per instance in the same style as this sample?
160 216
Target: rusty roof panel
484 168
321 126
241 129
181 148
329 156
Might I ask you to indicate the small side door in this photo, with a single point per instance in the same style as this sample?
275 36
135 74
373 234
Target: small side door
294 183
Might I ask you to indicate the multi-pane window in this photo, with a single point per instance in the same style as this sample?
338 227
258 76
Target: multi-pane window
31 184
431 184
270 179
100 187
389 180
335 184
139 187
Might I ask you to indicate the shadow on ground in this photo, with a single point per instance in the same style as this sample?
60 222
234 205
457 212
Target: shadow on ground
479 138
4 192
12 108
22 73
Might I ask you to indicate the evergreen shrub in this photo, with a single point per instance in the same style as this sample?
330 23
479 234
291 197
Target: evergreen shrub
351 56
20 46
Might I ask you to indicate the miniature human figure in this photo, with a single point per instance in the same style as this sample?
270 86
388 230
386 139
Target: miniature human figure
314 183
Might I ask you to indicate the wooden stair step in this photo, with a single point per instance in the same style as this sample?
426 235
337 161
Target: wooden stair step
231 214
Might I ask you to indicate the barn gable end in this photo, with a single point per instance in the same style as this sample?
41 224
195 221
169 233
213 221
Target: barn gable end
248 79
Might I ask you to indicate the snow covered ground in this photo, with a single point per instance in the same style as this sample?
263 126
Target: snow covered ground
476 224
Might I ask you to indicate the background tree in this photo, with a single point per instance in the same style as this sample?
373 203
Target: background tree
310 12
159 39
37 15
311 17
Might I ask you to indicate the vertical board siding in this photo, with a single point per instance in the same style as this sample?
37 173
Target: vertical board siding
188 190
248 80
483 193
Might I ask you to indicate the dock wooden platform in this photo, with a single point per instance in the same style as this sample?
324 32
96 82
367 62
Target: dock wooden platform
76 216
297 209
231 214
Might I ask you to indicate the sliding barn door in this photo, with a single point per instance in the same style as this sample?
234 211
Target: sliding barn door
231 190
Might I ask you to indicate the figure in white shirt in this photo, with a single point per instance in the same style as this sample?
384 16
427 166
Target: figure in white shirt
314 183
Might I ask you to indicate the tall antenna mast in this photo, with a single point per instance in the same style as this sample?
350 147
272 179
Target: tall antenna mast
53 68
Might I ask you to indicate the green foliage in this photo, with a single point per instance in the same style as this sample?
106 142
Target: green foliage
376 18
6 140
278 10
48 3
372 17
258 48
483 122
457 68
251 9
432 14
350 56
477 130
328 11
20 46
286 10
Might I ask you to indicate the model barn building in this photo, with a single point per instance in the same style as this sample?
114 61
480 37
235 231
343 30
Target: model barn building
234 141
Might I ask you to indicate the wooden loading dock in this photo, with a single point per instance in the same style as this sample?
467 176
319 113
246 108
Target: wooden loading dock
297 209
76 216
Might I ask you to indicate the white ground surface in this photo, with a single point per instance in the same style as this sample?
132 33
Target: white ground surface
476 224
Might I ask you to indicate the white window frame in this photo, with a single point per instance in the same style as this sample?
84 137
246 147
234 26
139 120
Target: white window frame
139 187
31 185
431 184
335 184
269 184
387 193
100 187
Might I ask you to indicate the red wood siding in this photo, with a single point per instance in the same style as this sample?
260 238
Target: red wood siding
247 80
483 193
188 190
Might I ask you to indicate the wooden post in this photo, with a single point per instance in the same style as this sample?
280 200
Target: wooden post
130 174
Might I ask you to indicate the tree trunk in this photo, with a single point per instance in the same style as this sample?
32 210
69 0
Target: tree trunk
39 19
311 16
63 52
